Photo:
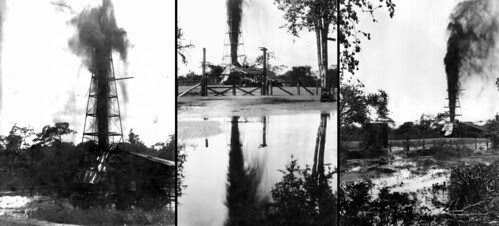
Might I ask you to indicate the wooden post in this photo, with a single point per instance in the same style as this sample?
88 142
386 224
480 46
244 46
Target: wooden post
204 88
271 89
423 144
475 144
317 86
234 88
298 88
264 79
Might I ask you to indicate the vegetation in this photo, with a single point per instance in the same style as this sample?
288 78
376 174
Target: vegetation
181 46
42 163
358 206
350 36
318 16
66 214
301 198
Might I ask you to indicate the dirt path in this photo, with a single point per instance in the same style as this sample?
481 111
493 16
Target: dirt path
205 107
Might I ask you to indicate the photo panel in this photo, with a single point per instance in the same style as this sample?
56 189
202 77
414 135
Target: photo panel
257 112
87 118
418 87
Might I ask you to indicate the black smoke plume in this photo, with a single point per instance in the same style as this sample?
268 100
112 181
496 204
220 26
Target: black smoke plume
97 31
473 29
234 17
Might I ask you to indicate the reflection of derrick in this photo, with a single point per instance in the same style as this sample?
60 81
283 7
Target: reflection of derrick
318 168
242 184
102 118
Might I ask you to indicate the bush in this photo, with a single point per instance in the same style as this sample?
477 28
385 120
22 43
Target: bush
302 199
359 207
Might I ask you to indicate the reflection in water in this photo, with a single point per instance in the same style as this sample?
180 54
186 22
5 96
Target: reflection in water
229 181
319 147
242 184
264 133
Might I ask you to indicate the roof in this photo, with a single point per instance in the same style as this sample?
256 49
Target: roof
470 124
153 159
231 69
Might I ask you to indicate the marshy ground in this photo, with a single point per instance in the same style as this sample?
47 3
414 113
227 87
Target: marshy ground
425 176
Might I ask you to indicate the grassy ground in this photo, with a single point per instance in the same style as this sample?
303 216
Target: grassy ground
51 211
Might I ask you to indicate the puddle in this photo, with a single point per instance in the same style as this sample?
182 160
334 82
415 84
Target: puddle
239 163
413 176
15 205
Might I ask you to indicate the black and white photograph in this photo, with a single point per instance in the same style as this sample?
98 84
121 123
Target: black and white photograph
418 112
87 112
257 112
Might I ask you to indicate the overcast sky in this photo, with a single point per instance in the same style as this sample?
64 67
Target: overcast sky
405 58
204 24
43 82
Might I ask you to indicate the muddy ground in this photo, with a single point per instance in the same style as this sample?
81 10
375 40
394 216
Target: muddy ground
413 175
248 106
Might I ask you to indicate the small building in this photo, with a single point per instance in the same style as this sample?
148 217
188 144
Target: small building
376 135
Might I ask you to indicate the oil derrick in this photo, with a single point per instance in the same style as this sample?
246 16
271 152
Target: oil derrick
102 117
231 55
454 105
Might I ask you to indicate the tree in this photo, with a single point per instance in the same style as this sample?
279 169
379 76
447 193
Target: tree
301 74
181 47
133 138
318 16
167 150
356 105
17 137
350 35
51 134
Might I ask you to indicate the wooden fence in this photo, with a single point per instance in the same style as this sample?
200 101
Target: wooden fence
476 144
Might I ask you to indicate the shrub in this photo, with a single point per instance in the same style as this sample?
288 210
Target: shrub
359 207
300 198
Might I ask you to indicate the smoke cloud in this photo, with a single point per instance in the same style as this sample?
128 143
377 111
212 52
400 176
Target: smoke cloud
97 32
471 47
234 17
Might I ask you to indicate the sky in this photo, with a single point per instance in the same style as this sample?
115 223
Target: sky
405 57
204 25
43 82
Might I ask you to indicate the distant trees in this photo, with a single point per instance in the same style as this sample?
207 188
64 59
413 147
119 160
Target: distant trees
301 74
357 106
51 134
